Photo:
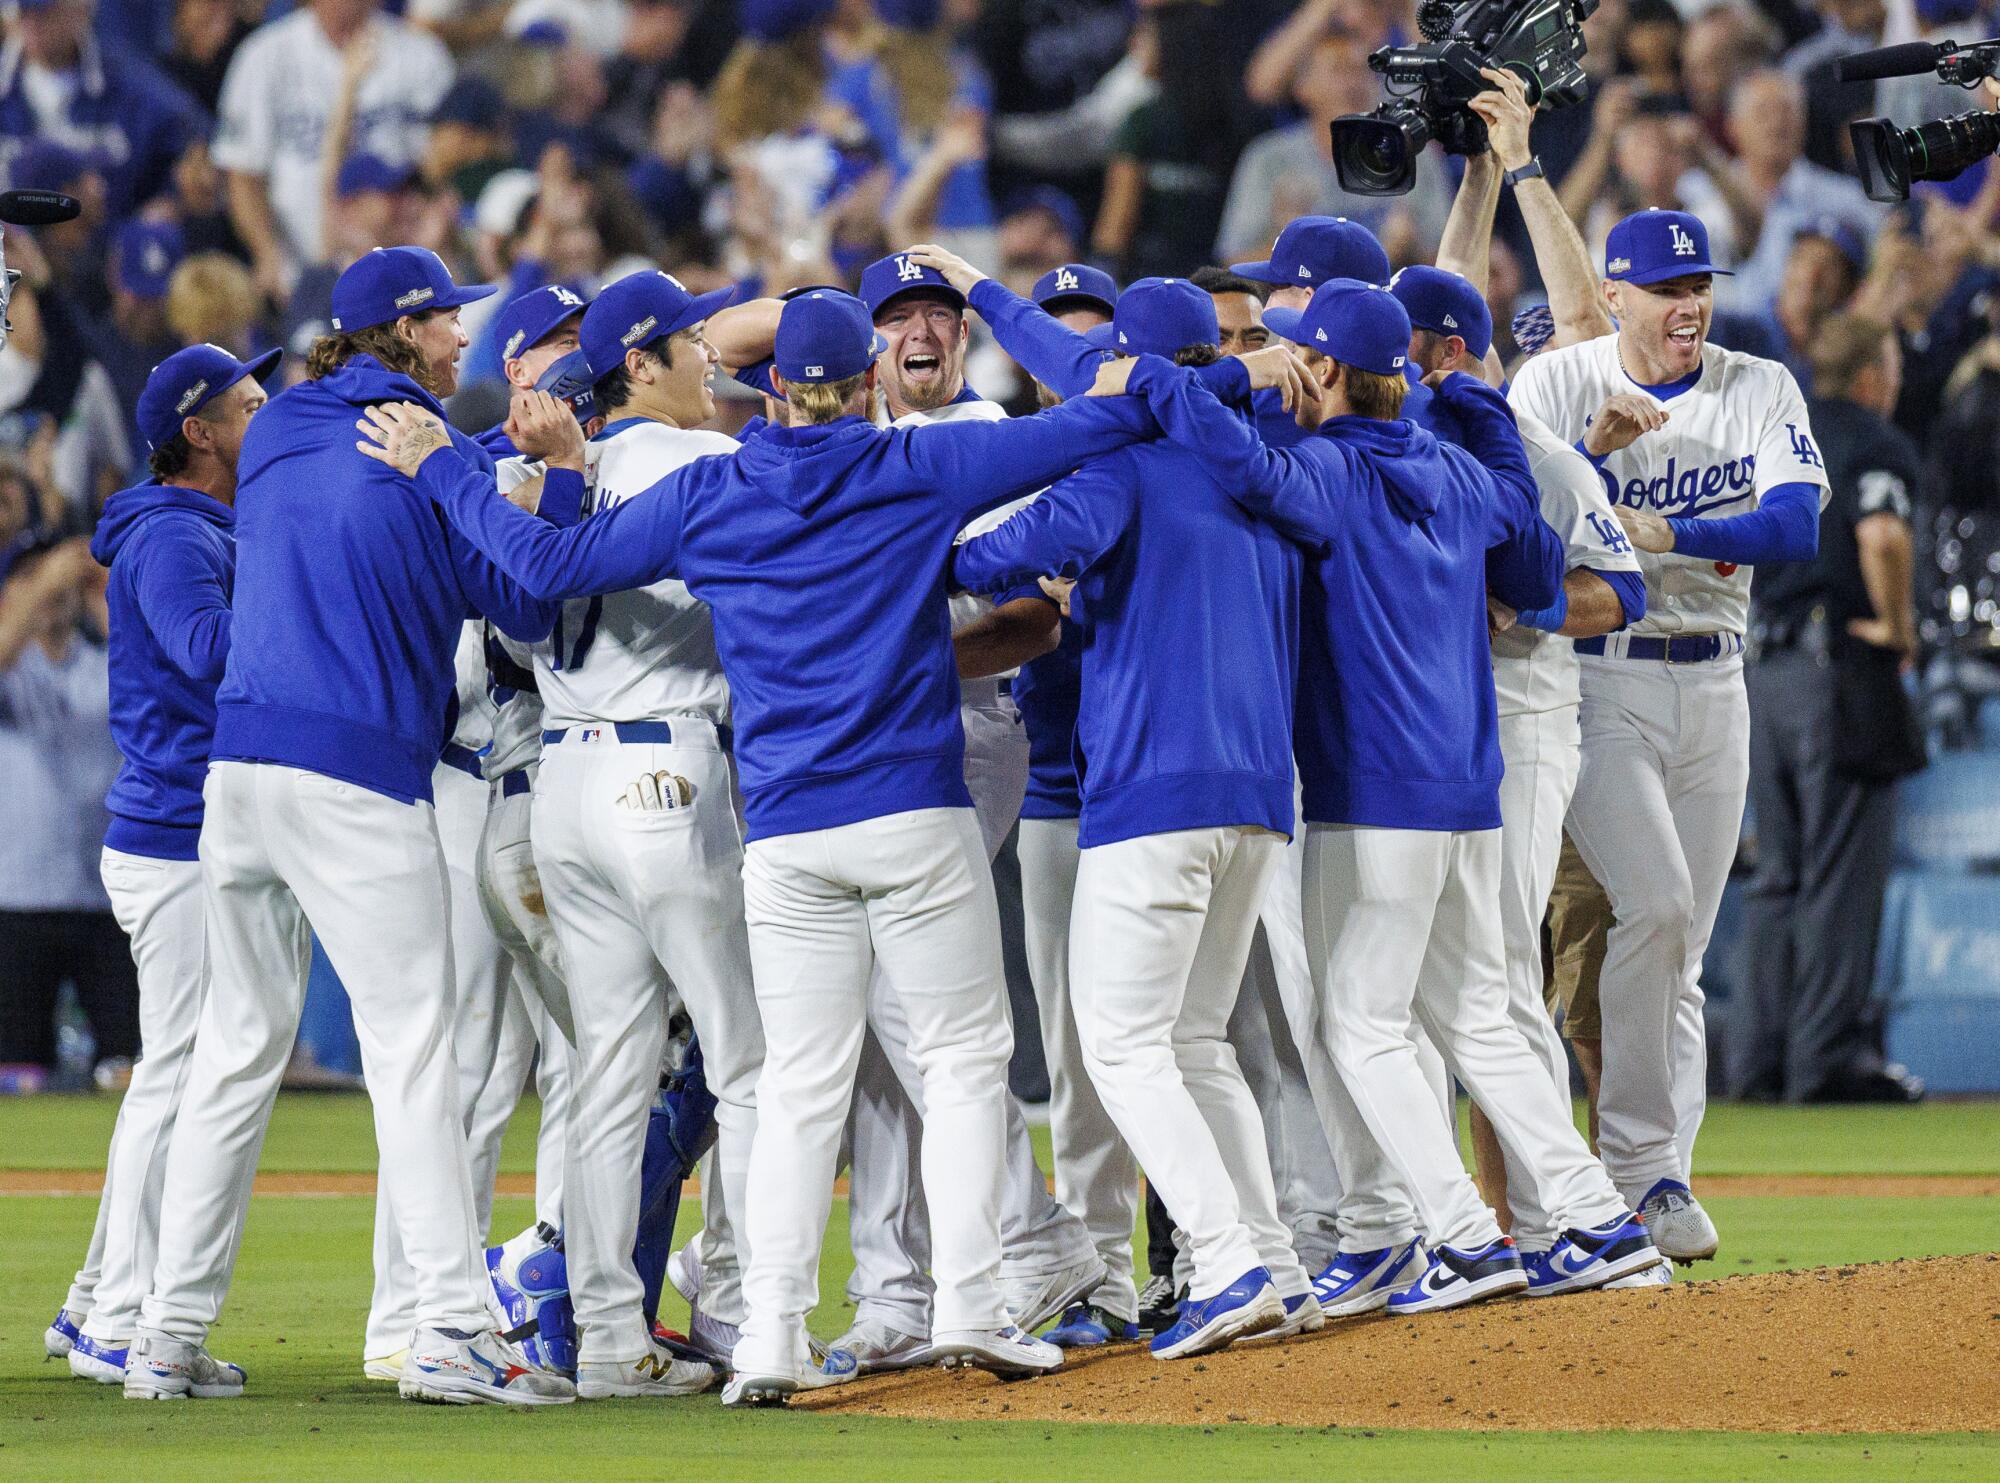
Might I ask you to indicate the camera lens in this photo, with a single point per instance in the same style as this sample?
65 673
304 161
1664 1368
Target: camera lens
1944 147
1375 154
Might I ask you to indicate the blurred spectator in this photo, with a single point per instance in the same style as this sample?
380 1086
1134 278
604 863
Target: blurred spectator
1847 26
74 249
1041 231
1649 46
136 336
1774 192
1821 273
1645 151
211 299
56 925
114 109
278 100
1722 45
206 35
1289 172
468 141
201 203
666 43
1064 78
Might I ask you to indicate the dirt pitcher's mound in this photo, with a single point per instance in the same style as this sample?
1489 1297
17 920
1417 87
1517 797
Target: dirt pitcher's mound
1896 1346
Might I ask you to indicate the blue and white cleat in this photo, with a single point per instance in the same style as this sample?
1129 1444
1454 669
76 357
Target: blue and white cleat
1680 1228
1583 1259
1249 1305
451 1367
1362 1281
1085 1326
530 1280
60 1337
163 1369
1302 1316
1455 1278
101 1360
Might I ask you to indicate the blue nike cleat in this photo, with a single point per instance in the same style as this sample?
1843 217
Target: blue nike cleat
1249 1305
530 1281
1361 1281
101 1360
1085 1326
1455 1278
1583 1259
60 1337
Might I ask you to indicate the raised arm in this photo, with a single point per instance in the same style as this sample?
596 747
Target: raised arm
1061 533
1049 350
1491 435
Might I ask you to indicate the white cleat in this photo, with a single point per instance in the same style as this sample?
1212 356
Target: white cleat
684 1272
1680 1228
453 1368
102 1360
657 1373
768 1388
1660 1276
1009 1352
385 1366
871 1346
1034 1301
1302 1316
163 1369
60 1337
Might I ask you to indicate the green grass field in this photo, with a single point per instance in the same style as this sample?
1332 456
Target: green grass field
302 1287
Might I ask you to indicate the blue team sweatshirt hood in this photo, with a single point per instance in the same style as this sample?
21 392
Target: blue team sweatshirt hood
365 379
803 468
125 511
1408 462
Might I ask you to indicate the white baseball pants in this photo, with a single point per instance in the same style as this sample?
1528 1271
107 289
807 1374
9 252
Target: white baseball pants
646 904
1656 817
539 1025
1403 920
1097 1179
281 847
1159 935
159 905
910 894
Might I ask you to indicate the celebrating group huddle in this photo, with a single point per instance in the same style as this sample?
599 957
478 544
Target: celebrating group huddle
598 724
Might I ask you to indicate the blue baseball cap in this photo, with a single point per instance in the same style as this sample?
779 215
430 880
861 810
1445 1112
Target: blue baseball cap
472 101
369 172
757 375
44 165
1313 249
825 335
188 380
893 276
568 378
638 308
1445 304
1159 316
1057 202
525 322
775 20
1355 323
148 252
1076 283
1652 246
382 286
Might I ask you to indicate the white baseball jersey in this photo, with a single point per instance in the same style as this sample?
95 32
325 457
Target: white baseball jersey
473 728
1737 433
968 606
644 654
517 714
1533 670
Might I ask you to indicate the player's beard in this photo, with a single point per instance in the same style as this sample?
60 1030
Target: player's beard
931 395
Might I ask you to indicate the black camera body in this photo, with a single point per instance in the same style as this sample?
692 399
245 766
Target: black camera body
1540 41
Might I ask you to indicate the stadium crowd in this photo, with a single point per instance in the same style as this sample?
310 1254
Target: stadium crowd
233 158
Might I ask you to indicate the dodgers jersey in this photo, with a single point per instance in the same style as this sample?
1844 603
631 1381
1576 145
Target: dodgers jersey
644 654
471 710
1534 670
968 606
1737 431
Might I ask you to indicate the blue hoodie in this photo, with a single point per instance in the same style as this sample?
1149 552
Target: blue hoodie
1189 608
1048 692
172 555
350 593
1397 723
821 552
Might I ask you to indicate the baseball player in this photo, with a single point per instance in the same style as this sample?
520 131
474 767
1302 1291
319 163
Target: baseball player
820 548
1401 769
349 598
1049 1259
170 546
1709 460
1183 822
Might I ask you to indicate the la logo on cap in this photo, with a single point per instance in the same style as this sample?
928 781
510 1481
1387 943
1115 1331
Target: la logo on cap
1683 243
564 296
1065 278
907 271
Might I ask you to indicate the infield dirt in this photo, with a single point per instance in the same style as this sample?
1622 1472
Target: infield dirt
1902 1346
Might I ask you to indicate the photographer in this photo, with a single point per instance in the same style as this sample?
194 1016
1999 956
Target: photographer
1831 730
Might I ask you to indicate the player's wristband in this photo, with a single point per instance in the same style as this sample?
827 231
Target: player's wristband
1596 459
1531 171
1548 619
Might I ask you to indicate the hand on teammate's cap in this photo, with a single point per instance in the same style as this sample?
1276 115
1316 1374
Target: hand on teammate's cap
955 270
543 427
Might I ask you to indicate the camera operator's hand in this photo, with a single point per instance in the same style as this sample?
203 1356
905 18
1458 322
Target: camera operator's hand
1507 115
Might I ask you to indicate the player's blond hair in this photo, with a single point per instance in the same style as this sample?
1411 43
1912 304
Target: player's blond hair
396 352
1369 394
815 402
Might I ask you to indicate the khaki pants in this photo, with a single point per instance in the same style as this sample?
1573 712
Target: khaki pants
1578 925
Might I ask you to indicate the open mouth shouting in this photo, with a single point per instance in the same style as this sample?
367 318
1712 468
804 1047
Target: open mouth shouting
921 368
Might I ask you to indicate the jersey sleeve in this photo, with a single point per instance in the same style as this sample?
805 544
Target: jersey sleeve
1574 503
246 131
1786 451
1535 391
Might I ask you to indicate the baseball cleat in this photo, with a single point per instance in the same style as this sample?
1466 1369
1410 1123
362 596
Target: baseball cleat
385 1366
1009 1352
102 1360
1159 1304
659 1372
1249 1305
453 1368
161 1369
1085 1326
60 1337
529 1277
872 1347
774 1388
1584 1259
1302 1316
1362 1281
1455 1278
1033 1301
1680 1228
684 1272
1660 1276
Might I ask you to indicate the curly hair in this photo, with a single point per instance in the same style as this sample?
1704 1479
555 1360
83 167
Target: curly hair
397 353
768 88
